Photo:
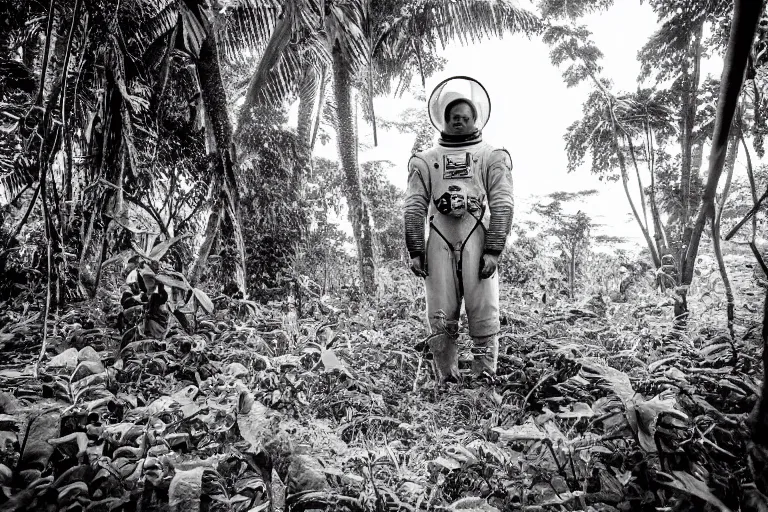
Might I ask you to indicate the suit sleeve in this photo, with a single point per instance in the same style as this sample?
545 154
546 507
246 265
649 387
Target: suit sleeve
416 205
500 201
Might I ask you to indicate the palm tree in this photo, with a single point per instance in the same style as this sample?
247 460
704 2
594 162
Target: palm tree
161 33
370 44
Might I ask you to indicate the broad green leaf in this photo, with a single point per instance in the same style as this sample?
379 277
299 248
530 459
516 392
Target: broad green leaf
616 380
181 317
68 494
160 249
172 282
485 449
331 360
687 483
148 277
643 415
205 302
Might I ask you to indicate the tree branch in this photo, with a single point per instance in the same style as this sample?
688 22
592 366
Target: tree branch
746 14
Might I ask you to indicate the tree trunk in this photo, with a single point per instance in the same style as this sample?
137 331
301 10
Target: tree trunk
687 122
660 233
658 228
625 182
745 18
279 39
53 55
211 230
689 168
359 216
622 162
572 273
742 33
752 185
641 190
67 178
730 163
215 103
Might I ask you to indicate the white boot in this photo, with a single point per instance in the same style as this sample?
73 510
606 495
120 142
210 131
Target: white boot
485 355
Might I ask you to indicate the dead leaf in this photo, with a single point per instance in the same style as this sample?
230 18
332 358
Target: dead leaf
528 431
36 449
185 395
236 370
473 505
88 354
67 360
578 410
185 489
305 473
447 463
80 437
254 421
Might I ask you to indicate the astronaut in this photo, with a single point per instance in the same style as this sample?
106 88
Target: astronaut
460 193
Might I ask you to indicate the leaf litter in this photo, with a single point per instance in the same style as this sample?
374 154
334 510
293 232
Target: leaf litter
251 408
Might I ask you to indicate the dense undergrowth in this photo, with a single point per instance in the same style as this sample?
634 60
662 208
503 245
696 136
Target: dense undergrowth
596 407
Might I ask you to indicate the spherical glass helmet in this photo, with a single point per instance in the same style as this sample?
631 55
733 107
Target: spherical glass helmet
455 88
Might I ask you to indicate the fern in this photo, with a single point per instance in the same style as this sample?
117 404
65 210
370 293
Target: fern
14 178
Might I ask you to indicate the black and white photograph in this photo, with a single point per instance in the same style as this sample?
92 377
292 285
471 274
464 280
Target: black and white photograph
383 255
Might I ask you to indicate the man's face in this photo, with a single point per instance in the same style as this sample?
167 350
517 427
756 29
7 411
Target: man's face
460 120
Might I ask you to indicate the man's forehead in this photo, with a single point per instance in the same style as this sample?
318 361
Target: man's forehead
461 108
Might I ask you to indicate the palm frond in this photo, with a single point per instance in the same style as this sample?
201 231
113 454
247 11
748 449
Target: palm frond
245 28
193 19
330 114
558 9
407 41
309 85
467 21
284 79
345 27
164 14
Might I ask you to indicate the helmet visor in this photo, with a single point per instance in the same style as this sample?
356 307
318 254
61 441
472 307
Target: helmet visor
459 87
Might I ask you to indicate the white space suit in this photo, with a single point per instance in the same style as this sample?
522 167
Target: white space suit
461 190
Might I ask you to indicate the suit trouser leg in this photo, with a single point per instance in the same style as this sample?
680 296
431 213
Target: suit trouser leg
443 308
481 297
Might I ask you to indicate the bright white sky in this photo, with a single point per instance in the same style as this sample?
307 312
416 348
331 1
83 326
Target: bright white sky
531 109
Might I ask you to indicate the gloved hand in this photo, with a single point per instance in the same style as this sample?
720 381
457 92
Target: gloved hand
488 264
418 267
